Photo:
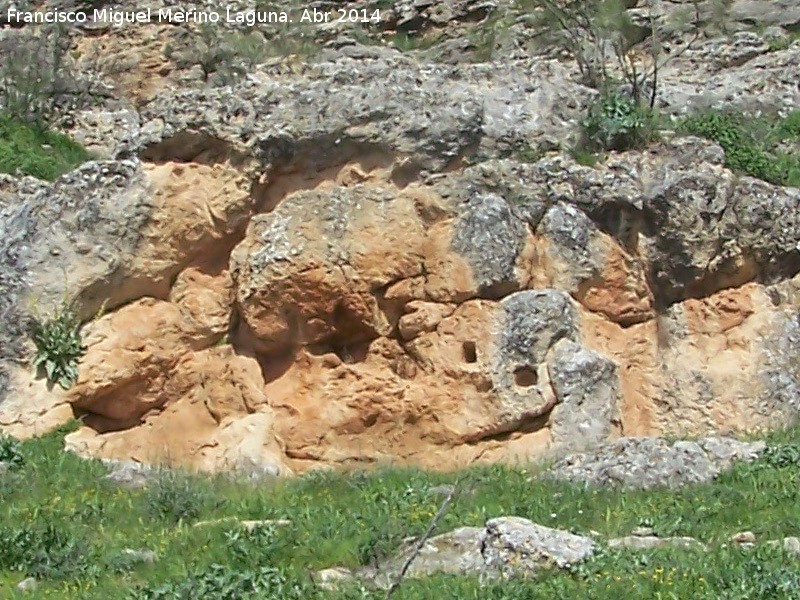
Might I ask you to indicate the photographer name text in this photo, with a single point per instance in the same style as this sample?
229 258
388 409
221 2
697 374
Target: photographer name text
118 18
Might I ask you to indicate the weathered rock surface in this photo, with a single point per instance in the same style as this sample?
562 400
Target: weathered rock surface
506 546
651 462
438 111
517 546
304 267
456 552
359 310
586 385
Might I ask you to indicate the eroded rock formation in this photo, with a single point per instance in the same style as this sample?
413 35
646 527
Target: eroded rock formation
303 270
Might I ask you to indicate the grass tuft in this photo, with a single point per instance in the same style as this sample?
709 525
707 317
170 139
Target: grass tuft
26 150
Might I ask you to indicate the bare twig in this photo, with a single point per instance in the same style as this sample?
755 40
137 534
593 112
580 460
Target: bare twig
655 42
653 74
421 541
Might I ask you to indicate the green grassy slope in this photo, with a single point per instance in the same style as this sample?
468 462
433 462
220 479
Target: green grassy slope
61 522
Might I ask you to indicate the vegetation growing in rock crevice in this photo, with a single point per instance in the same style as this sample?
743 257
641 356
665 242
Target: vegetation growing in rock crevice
29 150
616 121
59 346
766 148
37 89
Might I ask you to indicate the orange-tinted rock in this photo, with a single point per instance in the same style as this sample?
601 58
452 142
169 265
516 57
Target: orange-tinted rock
496 313
204 296
312 272
132 359
218 418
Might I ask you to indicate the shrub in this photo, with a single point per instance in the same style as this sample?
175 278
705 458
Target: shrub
754 579
615 121
752 145
175 496
42 551
224 583
591 31
27 150
779 457
250 548
59 346
11 452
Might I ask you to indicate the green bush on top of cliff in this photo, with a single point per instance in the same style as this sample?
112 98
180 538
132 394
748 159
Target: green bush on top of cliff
38 88
28 150
35 81
766 148
39 84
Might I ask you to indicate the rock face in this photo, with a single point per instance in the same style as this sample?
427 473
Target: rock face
360 320
652 462
371 258
456 552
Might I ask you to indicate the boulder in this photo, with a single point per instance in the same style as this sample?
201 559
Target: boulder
516 546
29 584
652 462
506 546
457 552
135 557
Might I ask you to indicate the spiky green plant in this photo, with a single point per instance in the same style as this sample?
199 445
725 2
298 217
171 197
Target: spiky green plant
59 346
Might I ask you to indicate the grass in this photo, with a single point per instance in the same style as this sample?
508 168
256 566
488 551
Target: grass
26 150
767 147
61 521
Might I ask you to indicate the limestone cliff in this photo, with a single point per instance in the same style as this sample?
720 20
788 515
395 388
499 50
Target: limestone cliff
348 261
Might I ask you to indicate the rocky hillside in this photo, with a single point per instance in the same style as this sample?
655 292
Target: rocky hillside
372 243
